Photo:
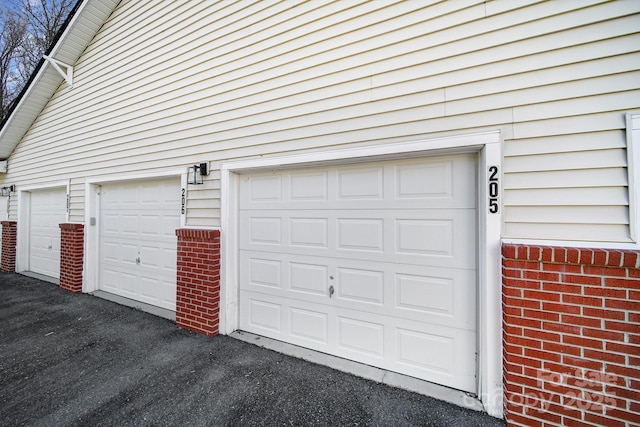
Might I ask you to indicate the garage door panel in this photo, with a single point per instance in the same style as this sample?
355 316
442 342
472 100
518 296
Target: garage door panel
309 186
408 347
309 325
430 296
170 222
138 242
360 183
264 231
129 224
437 353
360 285
308 278
434 237
363 337
150 225
300 322
283 275
371 262
420 293
115 252
433 183
309 232
157 257
110 278
264 315
264 272
360 234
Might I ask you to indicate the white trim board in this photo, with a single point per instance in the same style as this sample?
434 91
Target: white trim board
633 165
489 147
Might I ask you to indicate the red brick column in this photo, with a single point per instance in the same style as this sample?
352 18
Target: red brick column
71 256
571 337
9 238
198 295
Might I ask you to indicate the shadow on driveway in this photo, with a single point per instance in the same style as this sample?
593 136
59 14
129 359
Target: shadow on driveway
70 359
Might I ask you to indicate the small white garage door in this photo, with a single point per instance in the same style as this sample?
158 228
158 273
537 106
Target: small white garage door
48 209
138 244
371 262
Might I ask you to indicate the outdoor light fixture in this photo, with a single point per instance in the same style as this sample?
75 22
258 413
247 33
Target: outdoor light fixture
196 172
6 191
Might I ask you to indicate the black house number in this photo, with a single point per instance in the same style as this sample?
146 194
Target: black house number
494 190
183 201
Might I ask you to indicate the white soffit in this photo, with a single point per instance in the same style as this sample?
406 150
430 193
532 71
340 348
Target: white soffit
82 28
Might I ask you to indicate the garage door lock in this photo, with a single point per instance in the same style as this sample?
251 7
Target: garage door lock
138 261
331 291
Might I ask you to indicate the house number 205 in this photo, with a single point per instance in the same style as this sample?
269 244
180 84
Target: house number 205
494 190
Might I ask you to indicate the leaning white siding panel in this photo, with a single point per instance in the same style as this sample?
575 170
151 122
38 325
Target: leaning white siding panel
169 84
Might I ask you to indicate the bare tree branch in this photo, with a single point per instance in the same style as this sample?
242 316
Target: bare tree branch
29 27
12 35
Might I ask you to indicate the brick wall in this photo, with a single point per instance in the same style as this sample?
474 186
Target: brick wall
9 237
571 337
71 256
198 280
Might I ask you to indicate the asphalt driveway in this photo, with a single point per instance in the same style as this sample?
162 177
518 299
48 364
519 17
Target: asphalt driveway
69 360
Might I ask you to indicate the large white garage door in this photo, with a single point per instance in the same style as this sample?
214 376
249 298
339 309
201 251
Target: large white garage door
138 244
47 211
372 262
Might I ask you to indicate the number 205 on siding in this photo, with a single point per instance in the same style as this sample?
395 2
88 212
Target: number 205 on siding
493 189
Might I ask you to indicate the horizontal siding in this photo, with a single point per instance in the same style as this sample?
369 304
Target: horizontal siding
169 84
570 178
76 202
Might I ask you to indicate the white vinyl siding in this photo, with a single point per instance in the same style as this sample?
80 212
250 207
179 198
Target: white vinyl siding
170 84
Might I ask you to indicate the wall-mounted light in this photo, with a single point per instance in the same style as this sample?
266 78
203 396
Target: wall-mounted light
6 191
196 172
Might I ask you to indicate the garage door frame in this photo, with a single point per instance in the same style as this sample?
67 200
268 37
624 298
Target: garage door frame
92 215
24 222
488 145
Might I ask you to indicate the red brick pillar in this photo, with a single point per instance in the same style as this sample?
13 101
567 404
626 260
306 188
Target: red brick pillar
571 334
198 280
9 237
71 256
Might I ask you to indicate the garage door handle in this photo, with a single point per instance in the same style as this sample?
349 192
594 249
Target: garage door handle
138 261
331 291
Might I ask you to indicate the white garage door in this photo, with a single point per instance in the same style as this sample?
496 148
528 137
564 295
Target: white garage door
138 244
47 211
371 262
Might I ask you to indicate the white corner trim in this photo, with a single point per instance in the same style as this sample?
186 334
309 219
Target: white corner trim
633 166
489 147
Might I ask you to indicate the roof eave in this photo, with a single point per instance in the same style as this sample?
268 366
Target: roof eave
45 80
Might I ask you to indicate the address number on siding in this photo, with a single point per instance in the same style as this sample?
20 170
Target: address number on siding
183 202
493 190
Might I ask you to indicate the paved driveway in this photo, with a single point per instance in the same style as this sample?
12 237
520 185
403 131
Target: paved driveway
79 360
